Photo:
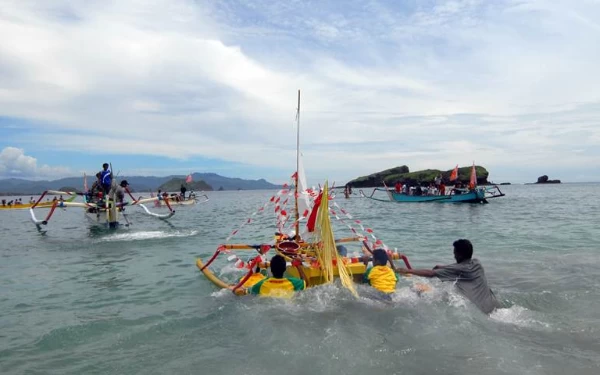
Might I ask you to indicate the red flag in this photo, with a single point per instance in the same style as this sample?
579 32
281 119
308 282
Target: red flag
473 181
312 219
188 179
454 174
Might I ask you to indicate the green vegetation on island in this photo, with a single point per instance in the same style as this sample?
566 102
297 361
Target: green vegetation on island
423 177
174 185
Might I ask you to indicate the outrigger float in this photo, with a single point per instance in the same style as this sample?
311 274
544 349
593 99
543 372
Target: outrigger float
105 213
311 241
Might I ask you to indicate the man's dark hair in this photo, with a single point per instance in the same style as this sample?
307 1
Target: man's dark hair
463 249
105 165
278 266
380 257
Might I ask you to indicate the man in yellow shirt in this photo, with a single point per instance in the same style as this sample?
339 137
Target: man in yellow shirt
279 286
254 278
380 276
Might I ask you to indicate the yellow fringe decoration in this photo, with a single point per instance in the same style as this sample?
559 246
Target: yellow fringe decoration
327 250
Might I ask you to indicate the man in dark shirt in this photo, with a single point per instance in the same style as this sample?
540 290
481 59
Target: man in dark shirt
468 274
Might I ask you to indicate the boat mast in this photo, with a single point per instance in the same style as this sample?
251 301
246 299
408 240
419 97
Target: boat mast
297 229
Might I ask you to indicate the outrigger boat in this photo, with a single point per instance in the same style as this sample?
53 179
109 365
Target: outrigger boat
104 213
475 194
480 194
311 241
26 206
175 200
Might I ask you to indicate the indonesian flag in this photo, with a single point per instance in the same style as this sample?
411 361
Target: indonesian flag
188 179
454 174
473 181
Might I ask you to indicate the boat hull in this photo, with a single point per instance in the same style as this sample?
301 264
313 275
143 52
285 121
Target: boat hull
473 196
417 198
187 202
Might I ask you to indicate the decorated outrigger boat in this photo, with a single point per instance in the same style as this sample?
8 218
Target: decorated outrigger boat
104 211
309 247
26 206
472 194
177 200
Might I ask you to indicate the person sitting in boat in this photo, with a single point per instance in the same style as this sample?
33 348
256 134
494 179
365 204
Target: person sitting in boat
380 276
106 178
398 187
457 188
468 275
256 276
3 202
96 187
342 250
279 286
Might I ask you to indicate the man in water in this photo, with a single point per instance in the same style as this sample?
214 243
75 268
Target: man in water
468 274
106 178
380 276
279 286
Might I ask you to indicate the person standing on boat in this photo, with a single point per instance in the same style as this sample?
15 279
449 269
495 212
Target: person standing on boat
183 190
468 275
279 286
106 178
120 192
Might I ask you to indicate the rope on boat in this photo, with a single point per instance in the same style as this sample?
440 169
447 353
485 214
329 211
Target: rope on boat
328 253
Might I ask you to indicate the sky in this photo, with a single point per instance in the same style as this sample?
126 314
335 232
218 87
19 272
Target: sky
161 87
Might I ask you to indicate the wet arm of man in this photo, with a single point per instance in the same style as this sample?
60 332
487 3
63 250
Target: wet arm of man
421 272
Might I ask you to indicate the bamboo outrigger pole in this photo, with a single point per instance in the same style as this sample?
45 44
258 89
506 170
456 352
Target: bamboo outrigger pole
297 229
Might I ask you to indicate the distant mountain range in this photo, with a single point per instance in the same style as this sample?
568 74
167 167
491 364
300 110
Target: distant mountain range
17 186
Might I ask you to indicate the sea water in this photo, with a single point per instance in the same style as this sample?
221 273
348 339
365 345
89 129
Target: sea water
75 300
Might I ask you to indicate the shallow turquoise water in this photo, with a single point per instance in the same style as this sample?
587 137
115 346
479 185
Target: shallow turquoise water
131 301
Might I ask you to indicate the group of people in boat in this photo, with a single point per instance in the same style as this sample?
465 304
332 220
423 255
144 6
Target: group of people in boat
467 274
103 187
174 196
19 201
436 187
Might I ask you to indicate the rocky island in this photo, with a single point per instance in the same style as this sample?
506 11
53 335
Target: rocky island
424 177
544 180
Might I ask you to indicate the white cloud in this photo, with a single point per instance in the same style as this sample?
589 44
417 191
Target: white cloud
14 163
428 84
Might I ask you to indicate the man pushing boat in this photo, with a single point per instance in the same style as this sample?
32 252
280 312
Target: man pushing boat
277 285
468 274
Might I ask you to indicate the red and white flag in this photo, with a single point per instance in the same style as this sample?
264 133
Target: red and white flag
473 180
188 179
454 174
